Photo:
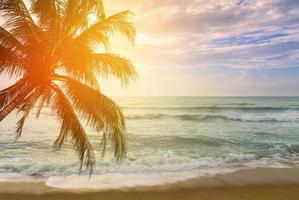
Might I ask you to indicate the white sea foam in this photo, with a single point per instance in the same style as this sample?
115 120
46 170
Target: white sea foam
16 178
128 180
107 181
115 180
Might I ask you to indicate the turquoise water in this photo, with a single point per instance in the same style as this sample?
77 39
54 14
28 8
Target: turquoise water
167 137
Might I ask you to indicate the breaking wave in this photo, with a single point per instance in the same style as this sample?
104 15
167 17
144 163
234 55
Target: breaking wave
205 118
218 108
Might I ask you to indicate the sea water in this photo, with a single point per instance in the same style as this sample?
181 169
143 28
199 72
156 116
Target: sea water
169 139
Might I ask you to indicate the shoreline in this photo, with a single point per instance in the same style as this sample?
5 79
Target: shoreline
256 184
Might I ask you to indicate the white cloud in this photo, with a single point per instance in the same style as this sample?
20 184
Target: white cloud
183 34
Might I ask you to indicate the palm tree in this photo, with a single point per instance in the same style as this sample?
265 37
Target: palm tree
49 47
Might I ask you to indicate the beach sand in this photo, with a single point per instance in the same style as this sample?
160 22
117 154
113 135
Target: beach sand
251 184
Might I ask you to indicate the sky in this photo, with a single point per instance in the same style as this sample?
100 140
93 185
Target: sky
211 48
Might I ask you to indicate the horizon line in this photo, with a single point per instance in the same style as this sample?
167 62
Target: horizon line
205 96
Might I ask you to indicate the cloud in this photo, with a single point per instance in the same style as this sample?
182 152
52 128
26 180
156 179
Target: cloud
230 38
229 30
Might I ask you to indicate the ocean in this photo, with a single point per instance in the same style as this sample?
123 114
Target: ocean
169 139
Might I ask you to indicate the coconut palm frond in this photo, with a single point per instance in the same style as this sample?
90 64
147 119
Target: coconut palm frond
99 112
76 16
49 13
78 64
16 8
15 99
8 41
121 23
94 40
25 107
118 23
11 92
71 126
115 65
11 63
20 22
104 64
44 100
100 9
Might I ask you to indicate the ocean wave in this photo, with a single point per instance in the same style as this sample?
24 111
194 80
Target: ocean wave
238 104
202 140
146 116
205 118
146 168
216 108
293 148
246 119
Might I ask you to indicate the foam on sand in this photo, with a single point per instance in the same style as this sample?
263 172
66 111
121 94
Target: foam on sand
115 180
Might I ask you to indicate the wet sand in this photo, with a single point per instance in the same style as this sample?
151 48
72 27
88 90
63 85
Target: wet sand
253 184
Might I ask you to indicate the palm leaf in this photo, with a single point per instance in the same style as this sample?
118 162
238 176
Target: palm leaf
79 63
77 12
25 107
11 92
118 23
11 102
20 23
11 63
44 100
71 126
48 11
8 41
101 113
115 65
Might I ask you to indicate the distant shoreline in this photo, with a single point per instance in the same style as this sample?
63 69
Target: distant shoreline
256 184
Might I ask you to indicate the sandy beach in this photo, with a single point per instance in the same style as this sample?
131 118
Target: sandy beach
251 184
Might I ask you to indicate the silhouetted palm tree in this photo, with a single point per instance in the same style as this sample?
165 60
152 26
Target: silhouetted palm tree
49 46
